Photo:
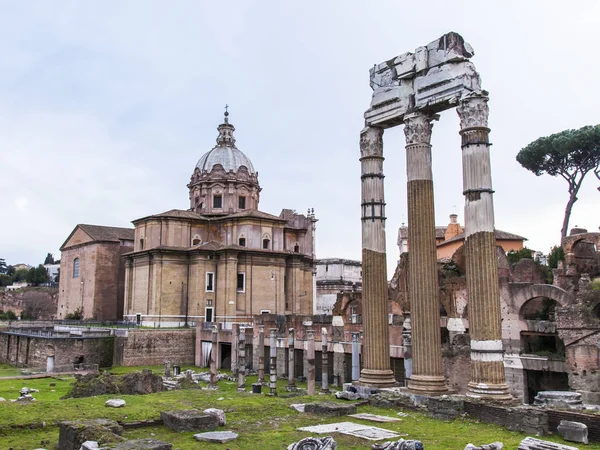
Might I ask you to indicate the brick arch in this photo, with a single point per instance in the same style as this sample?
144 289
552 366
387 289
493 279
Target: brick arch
526 293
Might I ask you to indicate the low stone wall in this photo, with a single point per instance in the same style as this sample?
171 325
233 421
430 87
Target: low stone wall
22 350
154 347
521 418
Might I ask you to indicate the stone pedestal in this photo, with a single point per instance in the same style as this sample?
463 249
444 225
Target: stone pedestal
376 371
427 374
487 356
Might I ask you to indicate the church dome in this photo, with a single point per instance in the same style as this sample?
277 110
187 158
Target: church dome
225 152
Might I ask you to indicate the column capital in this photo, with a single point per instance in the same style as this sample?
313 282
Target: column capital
418 126
371 142
473 110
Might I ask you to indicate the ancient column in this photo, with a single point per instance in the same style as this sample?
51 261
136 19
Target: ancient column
291 361
273 362
376 370
261 354
324 362
355 357
310 361
407 344
487 365
213 359
427 373
242 359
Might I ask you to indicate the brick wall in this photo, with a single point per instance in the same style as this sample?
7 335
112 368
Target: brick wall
525 419
592 422
152 347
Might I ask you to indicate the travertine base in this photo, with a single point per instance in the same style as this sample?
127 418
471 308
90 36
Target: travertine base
487 356
427 374
376 370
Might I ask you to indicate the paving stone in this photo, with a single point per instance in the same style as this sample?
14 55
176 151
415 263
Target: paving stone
189 420
338 427
219 437
330 409
530 443
375 418
310 443
373 433
144 444
115 403
573 431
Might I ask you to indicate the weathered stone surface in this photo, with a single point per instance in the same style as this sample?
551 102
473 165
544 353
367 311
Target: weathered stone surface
189 420
73 434
530 443
492 446
298 406
373 433
338 427
89 445
115 403
219 413
573 431
330 409
144 382
144 444
445 408
401 444
310 443
558 399
219 437
375 418
347 395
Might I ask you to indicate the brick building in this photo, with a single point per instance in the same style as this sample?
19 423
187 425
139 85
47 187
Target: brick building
92 273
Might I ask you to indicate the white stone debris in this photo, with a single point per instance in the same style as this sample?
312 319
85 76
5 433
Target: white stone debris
115 403
219 413
298 406
219 437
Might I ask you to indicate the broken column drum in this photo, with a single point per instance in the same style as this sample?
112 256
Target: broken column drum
376 369
427 373
411 89
487 356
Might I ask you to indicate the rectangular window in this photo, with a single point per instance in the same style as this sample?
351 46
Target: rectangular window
242 202
241 282
217 201
210 279
76 268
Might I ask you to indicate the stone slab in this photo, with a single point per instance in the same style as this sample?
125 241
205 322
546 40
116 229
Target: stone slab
530 443
219 437
337 427
373 433
330 409
573 431
375 418
189 420
144 444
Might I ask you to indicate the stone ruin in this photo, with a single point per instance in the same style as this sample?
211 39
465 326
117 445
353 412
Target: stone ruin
411 89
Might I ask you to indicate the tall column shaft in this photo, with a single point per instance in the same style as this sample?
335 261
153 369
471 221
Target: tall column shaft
427 373
487 361
376 369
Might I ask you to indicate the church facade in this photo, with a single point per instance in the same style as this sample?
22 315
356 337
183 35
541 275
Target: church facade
223 260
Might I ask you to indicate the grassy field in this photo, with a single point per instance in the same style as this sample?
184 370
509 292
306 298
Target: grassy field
262 421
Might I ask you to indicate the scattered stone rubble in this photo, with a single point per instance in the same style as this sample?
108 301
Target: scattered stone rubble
144 382
399 445
492 446
310 443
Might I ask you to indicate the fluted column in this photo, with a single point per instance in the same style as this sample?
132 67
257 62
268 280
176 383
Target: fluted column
427 374
487 365
376 369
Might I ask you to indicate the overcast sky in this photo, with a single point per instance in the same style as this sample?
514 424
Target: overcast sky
106 106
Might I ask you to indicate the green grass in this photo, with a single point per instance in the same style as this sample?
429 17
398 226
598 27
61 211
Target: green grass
262 421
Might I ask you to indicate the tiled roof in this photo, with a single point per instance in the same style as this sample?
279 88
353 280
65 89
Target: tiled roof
102 233
180 213
500 236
